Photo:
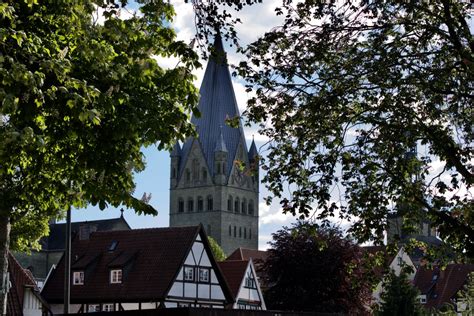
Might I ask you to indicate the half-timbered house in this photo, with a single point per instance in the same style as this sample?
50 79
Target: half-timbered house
141 269
242 279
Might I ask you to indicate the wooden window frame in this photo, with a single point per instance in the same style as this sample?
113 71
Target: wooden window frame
116 276
81 277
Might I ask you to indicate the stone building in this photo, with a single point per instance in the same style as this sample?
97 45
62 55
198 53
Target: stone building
214 178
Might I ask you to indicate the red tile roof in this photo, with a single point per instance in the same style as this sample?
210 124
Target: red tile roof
151 259
234 273
440 286
246 254
19 278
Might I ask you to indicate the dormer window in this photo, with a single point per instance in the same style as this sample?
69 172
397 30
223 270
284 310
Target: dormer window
78 278
116 276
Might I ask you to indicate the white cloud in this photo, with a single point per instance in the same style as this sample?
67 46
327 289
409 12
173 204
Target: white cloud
263 241
273 216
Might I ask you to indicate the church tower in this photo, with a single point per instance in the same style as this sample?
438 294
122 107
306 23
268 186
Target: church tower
211 181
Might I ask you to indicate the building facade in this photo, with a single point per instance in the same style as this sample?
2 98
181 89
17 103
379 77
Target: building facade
41 262
140 269
214 178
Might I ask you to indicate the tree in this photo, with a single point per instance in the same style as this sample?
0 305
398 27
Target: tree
465 300
79 99
217 251
313 269
399 297
345 91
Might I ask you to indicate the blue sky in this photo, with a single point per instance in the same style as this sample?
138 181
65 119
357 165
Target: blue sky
155 178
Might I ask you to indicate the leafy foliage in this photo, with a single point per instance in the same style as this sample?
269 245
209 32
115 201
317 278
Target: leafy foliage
399 297
79 99
346 91
465 298
313 269
217 251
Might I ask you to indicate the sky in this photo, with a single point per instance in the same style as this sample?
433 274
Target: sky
155 178
256 19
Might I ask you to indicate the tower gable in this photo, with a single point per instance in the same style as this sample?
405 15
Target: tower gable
240 175
195 170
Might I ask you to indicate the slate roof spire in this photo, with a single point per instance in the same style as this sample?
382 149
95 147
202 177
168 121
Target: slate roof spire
253 150
220 144
176 152
216 105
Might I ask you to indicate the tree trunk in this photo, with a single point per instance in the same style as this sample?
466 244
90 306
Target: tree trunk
4 246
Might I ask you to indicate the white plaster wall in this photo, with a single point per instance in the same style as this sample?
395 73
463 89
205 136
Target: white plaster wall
59 308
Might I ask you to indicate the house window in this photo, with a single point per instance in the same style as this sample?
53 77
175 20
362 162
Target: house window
204 275
94 308
190 205
181 206
235 231
78 278
240 232
108 307
400 261
245 232
200 204
229 203
250 233
244 206
250 207
188 274
116 276
210 205
422 299
250 282
230 230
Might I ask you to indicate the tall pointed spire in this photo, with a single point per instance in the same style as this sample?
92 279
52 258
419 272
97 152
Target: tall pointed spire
216 105
220 144
253 150
176 152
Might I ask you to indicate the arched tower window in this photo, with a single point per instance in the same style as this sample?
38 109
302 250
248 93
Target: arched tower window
244 206
235 231
180 205
195 169
250 233
173 173
245 232
240 232
190 205
229 203
251 207
200 204
188 175
210 203
237 205
204 174
230 230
